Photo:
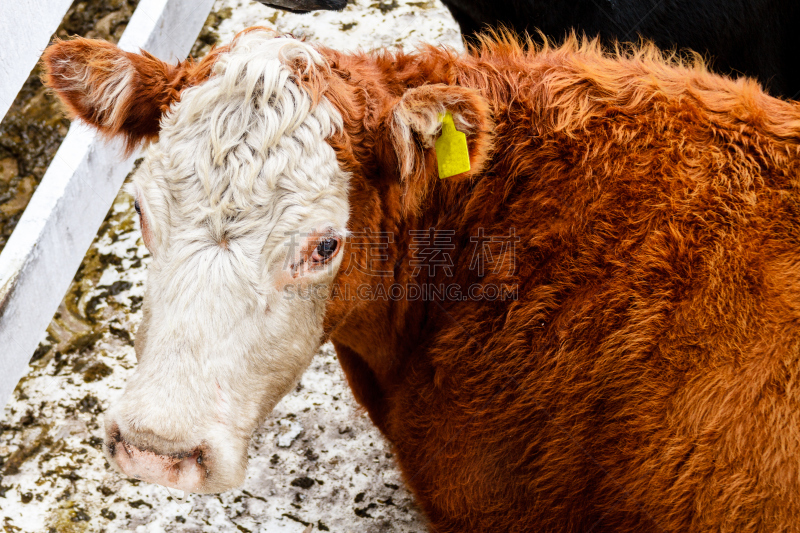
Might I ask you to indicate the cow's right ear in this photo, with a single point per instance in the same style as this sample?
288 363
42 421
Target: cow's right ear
417 123
119 93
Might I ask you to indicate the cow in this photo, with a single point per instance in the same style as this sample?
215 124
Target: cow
758 39
617 344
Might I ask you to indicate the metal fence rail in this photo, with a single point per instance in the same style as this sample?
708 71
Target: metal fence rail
64 214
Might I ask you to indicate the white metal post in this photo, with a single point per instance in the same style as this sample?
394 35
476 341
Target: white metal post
62 218
26 27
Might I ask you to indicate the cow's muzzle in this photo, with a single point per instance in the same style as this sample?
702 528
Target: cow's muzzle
188 471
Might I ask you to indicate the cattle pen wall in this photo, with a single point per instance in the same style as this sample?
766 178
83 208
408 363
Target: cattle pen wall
50 240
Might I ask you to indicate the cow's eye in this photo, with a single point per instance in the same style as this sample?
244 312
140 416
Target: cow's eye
325 249
137 207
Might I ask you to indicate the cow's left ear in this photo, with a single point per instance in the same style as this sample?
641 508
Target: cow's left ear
417 123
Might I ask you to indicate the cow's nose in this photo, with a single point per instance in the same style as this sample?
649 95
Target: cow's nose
183 471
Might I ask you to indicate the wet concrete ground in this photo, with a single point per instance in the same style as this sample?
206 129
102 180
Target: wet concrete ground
316 462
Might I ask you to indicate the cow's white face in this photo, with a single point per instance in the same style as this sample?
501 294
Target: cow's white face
244 209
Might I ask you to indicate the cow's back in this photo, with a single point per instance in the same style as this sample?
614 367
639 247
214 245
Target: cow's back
756 38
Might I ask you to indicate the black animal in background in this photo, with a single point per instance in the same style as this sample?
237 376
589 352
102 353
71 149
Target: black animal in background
758 38
304 6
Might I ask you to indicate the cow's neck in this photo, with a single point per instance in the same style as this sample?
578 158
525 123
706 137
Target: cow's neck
375 333
375 329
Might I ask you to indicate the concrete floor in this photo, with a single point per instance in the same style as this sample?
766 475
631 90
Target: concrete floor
316 464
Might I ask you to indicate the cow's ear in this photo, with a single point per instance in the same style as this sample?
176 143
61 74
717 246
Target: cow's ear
119 93
417 124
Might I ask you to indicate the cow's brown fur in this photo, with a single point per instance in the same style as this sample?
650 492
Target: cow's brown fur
646 377
156 86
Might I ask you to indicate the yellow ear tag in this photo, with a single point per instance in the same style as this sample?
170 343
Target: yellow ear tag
451 149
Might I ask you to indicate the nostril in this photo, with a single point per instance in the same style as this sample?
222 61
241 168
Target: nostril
114 438
193 464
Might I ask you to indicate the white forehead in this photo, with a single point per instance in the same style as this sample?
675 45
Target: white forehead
249 142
